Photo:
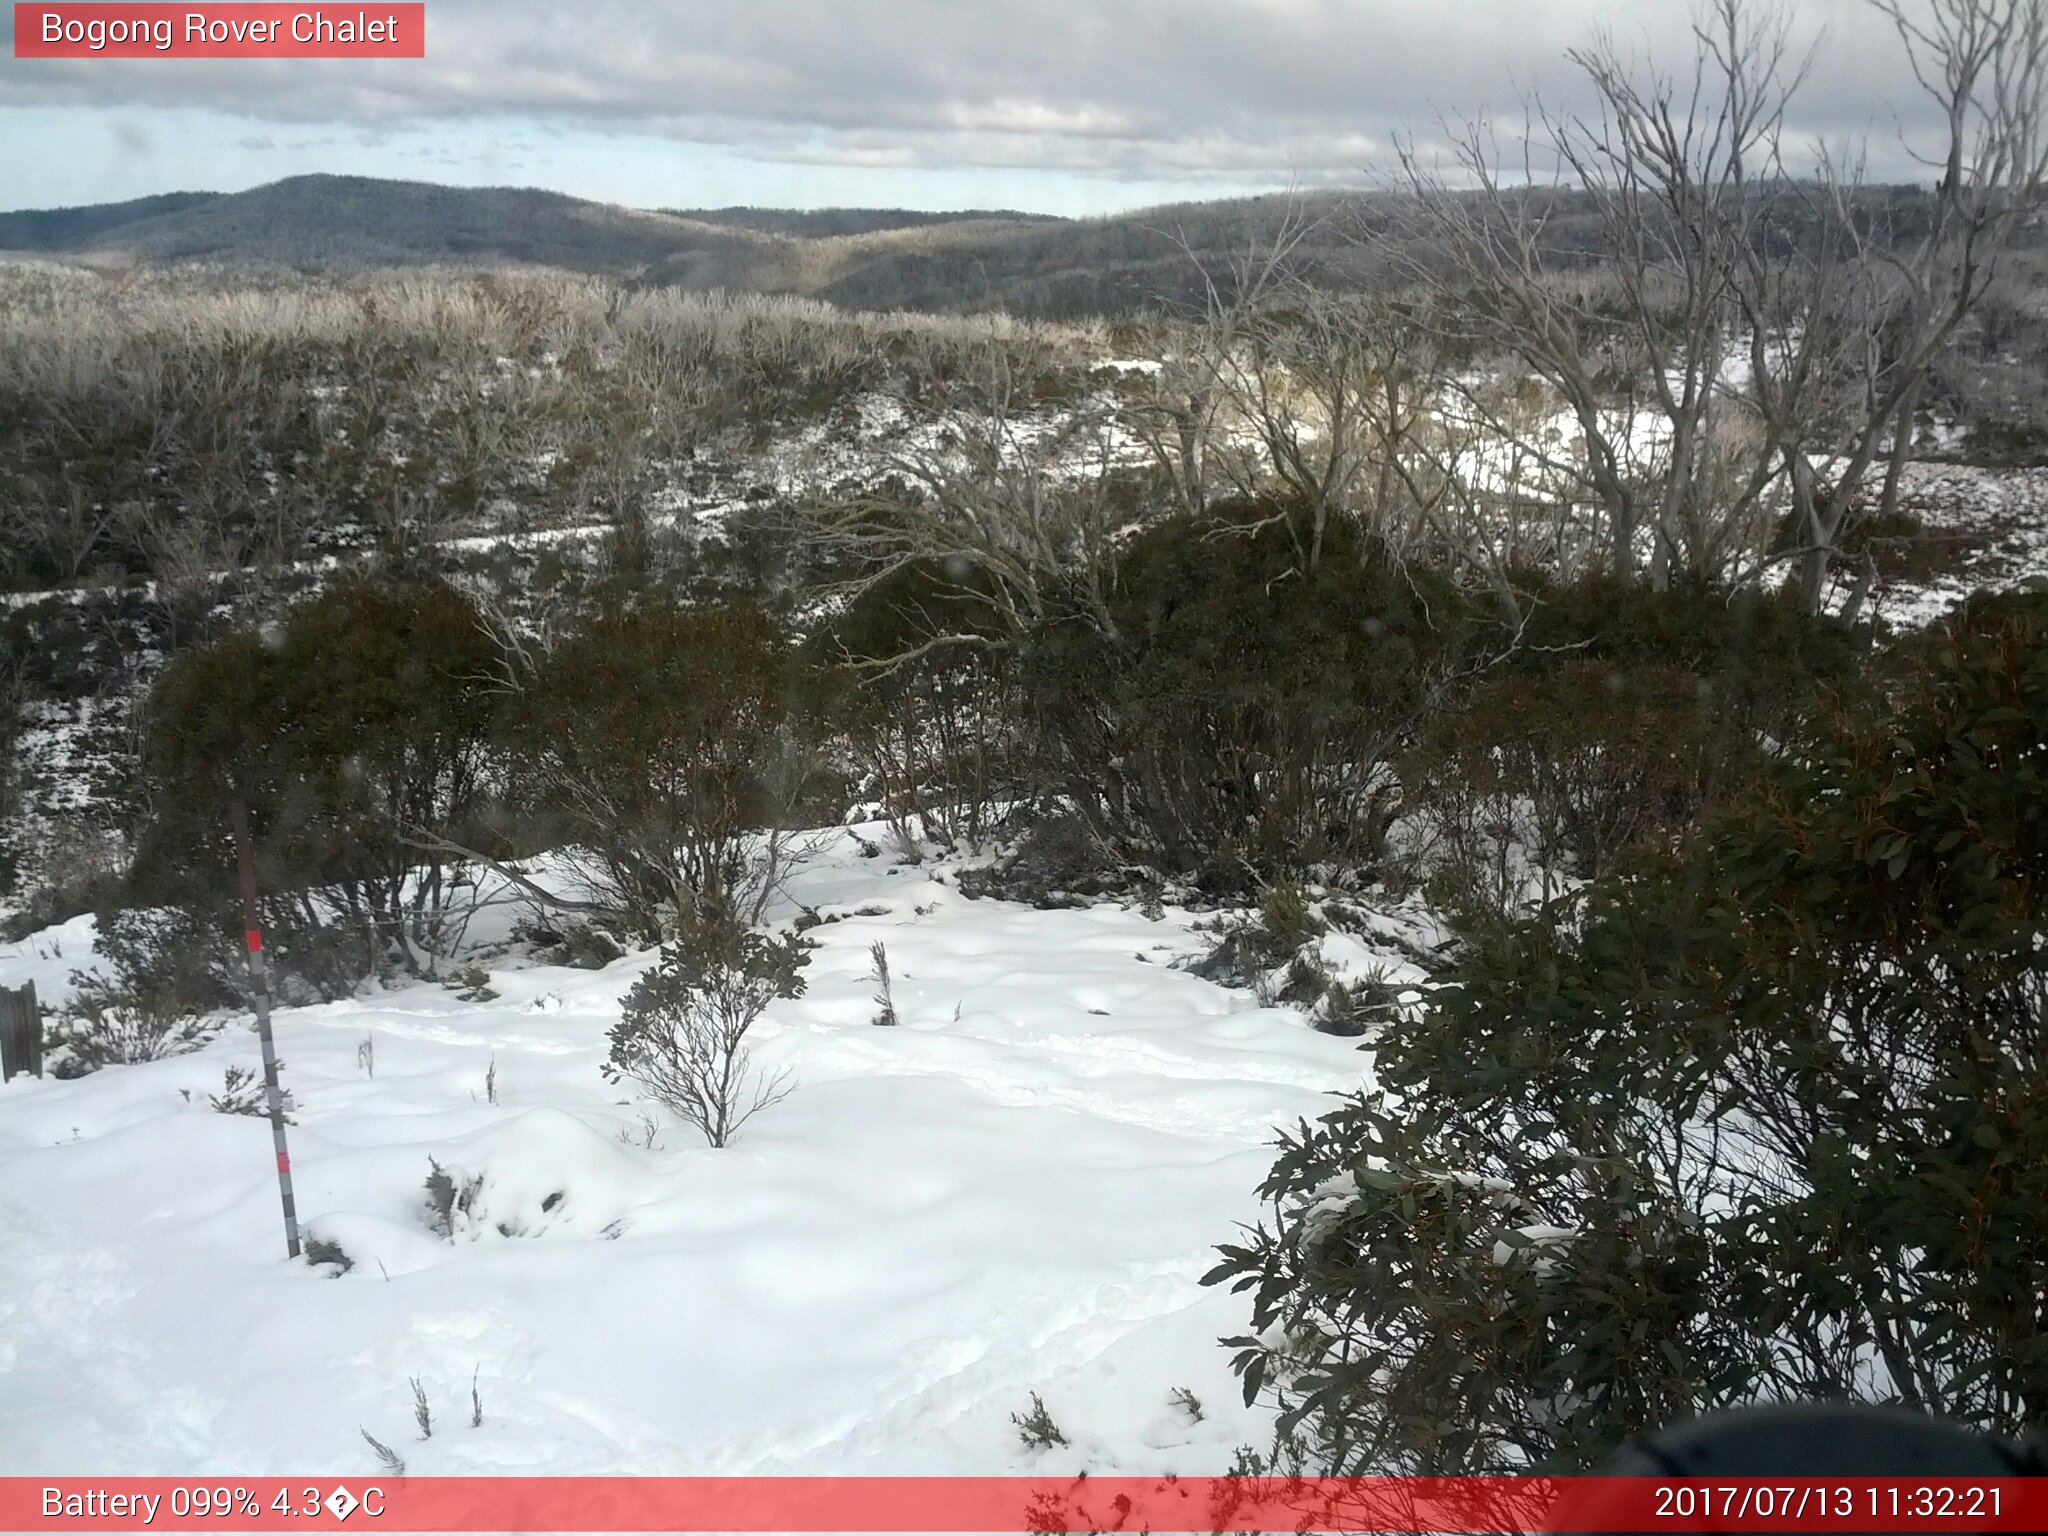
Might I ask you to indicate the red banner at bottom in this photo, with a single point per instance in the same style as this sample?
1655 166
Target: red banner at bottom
1021 1504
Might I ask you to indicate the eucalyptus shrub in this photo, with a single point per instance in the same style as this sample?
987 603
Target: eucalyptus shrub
664 751
683 1032
358 734
1240 720
1759 1116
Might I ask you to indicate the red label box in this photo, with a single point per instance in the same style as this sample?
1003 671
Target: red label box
995 1506
107 29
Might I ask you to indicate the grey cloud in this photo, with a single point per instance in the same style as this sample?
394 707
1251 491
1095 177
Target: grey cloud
1229 89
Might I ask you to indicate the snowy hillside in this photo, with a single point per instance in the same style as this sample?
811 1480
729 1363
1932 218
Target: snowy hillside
1014 1191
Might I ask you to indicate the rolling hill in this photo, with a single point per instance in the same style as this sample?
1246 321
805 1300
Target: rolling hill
865 258
860 258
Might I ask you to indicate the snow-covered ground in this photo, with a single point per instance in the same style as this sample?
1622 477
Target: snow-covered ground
1987 528
1013 1191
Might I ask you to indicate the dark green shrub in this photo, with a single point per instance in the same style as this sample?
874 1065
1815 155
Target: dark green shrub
1541 777
1037 1428
665 751
1288 917
102 1029
927 705
1279 932
174 955
1241 720
357 735
1760 653
1761 1116
1623 714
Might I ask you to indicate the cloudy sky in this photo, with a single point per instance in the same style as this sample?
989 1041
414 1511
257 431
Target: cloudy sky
1061 106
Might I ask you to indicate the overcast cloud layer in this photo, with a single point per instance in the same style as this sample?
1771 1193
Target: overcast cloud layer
1128 97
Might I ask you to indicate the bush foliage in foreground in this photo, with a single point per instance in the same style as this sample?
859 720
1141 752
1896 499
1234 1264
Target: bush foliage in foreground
1761 1116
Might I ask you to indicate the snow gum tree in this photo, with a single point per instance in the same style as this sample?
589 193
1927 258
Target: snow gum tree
1742 377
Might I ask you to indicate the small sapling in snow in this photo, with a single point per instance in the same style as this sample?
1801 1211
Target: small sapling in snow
392 1462
885 999
685 1023
1037 1429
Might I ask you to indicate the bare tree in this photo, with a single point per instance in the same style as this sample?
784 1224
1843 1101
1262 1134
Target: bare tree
1171 409
1277 386
1842 343
1302 382
1010 504
1759 340
1637 361
1182 405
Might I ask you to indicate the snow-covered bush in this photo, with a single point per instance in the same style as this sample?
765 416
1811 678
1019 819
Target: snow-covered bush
450 1198
1362 1005
1252 947
885 995
684 1030
325 1253
581 945
244 1092
104 1030
1038 1429
471 983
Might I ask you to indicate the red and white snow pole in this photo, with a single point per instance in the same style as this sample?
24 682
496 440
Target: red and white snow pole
259 984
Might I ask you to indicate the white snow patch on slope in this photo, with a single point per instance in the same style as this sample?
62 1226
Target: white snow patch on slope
1014 1190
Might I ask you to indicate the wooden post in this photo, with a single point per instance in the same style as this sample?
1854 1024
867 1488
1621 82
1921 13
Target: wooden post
21 1032
259 984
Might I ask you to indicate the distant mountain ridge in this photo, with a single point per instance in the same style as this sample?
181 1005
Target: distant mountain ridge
324 223
67 229
859 257
819 223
